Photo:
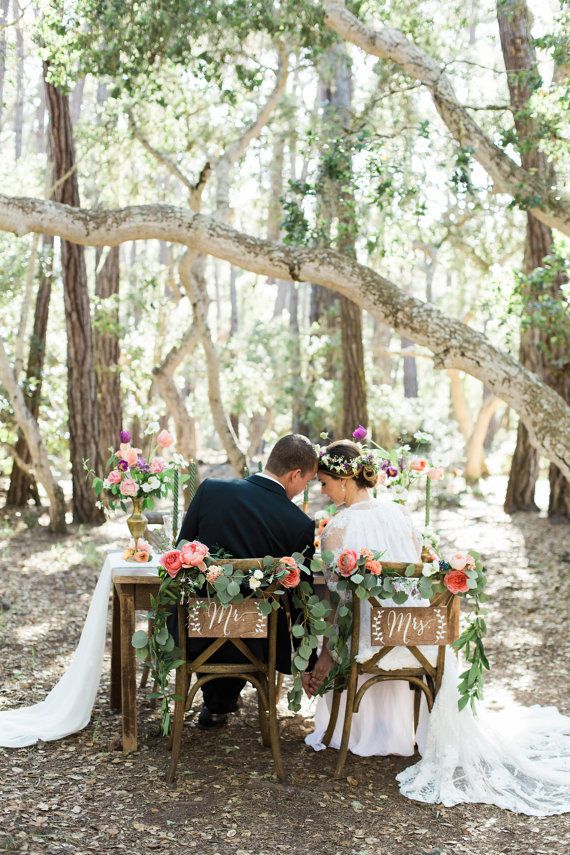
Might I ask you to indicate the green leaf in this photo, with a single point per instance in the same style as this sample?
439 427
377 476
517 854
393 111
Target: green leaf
298 630
300 663
264 607
343 611
410 570
361 593
162 636
462 703
233 588
400 597
357 578
139 639
141 653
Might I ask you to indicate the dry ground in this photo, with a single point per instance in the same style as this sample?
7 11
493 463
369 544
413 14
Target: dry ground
82 795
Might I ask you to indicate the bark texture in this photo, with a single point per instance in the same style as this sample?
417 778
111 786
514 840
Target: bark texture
107 350
453 343
22 484
81 384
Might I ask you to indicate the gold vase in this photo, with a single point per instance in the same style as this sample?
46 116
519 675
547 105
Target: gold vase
137 522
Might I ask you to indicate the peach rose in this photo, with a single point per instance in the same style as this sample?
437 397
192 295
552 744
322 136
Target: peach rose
132 455
115 477
456 582
193 554
172 562
459 560
293 577
156 465
213 573
128 553
418 464
347 562
165 439
142 556
373 567
128 487
366 553
435 474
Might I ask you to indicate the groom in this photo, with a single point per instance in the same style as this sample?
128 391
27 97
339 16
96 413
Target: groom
251 518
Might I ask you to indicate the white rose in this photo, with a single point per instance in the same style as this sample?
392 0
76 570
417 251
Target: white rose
146 488
430 569
258 574
154 483
254 584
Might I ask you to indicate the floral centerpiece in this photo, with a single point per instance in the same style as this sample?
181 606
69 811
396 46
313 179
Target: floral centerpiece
363 574
193 571
141 475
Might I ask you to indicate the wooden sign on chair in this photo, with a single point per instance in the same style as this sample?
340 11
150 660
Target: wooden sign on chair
237 620
408 627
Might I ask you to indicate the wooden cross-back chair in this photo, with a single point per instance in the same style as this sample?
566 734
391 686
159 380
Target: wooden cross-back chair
228 624
391 627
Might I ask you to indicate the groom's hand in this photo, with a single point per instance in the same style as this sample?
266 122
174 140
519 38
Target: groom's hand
306 681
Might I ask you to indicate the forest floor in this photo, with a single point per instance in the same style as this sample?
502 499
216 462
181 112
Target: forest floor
82 795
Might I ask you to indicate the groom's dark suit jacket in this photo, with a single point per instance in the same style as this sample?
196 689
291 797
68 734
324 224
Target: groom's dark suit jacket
251 518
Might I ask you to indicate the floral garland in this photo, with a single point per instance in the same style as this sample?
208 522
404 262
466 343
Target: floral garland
192 571
363 574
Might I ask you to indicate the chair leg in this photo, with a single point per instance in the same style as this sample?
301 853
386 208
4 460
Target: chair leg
348 713
274 726
178 726
417 702
263 714
146 668
333 717
279 688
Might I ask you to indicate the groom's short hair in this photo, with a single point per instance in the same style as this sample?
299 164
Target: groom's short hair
293 451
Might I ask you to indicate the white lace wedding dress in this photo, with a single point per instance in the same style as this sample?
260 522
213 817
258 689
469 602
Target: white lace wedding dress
518 759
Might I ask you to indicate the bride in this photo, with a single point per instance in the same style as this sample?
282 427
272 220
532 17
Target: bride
518 760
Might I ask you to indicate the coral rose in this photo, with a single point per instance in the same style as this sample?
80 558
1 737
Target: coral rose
172 562
193 554
366 553
165 439
373 567
214 572
115 477
142 556
435 474
129 487
156 465
293 577
456 582
347 562
459 560
418 464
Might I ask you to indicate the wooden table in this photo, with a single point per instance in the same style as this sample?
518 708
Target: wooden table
130 593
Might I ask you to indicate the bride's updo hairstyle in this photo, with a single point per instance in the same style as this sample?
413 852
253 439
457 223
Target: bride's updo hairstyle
345 459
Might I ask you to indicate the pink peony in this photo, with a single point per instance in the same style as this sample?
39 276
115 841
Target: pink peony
193 554
213 573
435 474
128 487
459 560
156 465
456 582
115 477
347 562
165 439
172 562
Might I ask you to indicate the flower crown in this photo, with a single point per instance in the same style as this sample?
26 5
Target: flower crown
367 464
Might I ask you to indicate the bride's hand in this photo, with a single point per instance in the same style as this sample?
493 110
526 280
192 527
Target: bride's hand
306 681
321 670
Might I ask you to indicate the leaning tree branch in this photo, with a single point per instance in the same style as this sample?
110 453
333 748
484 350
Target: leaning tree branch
547 204
453 343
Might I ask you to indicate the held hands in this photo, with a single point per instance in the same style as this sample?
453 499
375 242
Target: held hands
313 680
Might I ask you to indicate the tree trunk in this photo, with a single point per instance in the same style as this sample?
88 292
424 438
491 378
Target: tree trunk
522 75
4 8
336 88
107 350
410 372
19 105
475 465
22 485
81 384
459 404
40 467
382 371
